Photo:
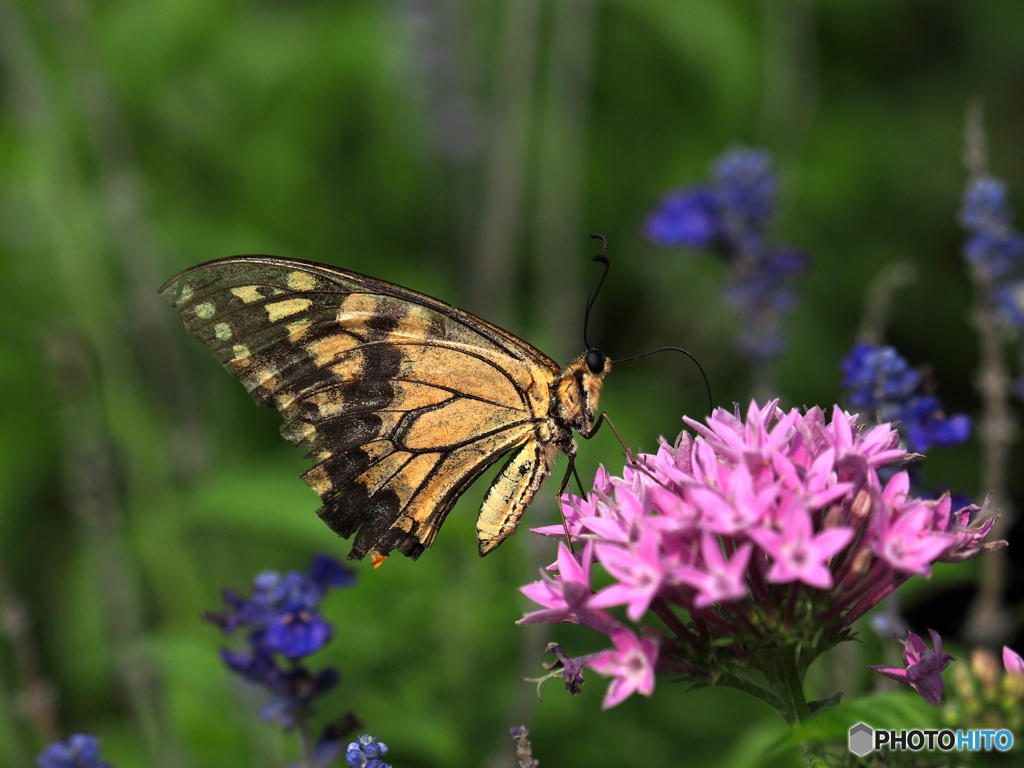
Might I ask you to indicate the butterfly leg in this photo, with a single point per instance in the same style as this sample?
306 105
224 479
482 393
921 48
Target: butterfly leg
597 425
569 472
629 454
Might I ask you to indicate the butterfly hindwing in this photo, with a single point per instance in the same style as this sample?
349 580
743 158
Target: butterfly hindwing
401 399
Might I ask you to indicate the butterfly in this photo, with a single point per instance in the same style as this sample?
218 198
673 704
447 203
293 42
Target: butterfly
402 400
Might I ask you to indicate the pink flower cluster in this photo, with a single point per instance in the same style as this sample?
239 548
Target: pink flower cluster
776 529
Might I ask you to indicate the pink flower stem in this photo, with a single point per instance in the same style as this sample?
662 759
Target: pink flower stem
869 582
850 555
664 612
680 667
706 616
740 612
872 599
795 592
755 577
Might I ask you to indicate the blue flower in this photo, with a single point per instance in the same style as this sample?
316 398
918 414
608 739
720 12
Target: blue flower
366 753
282 613
745 186
1009 298
688 218
993 247
732 216
925 425
998 253
879 379
326 572
985 207
78 751
292 689
284 623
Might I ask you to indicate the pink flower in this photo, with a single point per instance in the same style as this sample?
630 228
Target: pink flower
631 663
907 538
721 580
1012 662
569 597
573 508
740 506
797 553
759 530
969 534
620 521
639 569
924 667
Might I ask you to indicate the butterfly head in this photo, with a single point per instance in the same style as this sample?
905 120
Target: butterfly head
579 389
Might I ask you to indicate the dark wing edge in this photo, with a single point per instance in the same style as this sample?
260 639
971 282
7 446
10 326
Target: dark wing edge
497 335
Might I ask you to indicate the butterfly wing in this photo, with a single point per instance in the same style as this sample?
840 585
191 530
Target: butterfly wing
402 399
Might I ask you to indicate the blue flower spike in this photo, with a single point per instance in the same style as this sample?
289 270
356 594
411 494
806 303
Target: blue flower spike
879 380
284 625
78 751
366 753
731 216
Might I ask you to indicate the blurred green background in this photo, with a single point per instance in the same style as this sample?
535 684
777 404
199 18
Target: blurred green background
466 149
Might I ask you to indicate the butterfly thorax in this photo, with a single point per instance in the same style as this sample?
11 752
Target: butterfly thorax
575 396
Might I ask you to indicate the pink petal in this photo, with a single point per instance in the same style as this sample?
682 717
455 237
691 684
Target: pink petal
1012 662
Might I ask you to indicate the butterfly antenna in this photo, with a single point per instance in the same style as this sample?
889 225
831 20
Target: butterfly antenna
707 384
597 282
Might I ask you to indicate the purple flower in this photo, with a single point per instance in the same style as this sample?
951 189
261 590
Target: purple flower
926 425
282 613
631 663
366 752
732 216
1009 298
997 253
878 379
78 751
874 375
283 619
993 247
745 185
985 207
569 669
292 689
924 667
688 218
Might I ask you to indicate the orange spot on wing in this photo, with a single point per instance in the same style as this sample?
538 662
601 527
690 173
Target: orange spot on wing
378 560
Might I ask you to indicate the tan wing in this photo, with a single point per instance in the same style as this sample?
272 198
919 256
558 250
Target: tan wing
402 400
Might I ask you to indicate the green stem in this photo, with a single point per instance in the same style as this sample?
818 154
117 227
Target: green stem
305 743
787 684
732 681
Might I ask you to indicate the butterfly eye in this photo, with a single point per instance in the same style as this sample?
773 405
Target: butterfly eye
595 360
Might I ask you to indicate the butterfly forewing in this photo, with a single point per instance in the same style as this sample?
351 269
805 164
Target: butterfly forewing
401 399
